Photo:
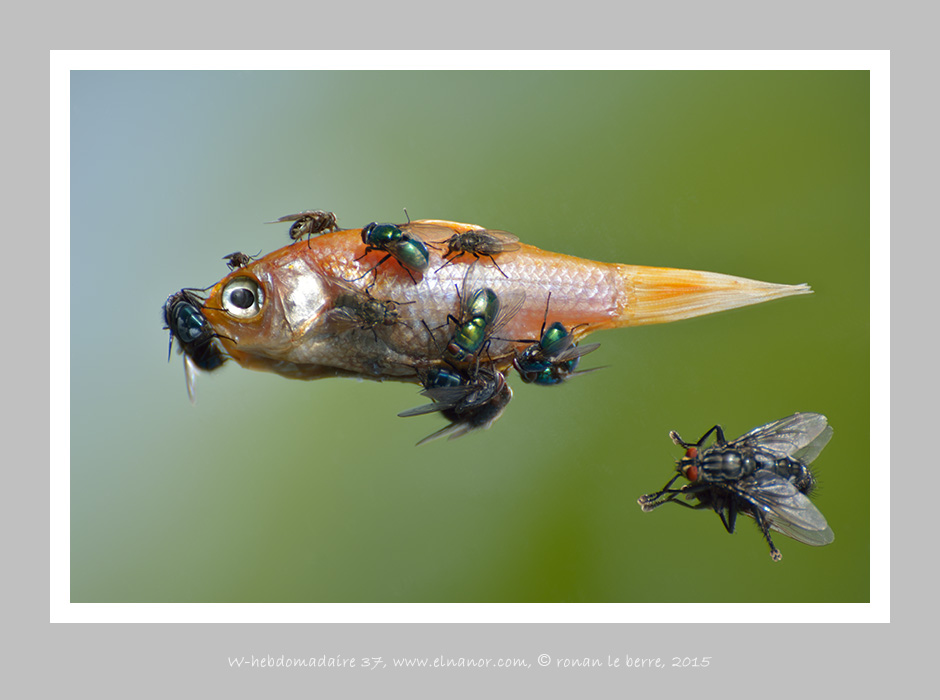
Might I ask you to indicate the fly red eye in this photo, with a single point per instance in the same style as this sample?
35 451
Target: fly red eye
691 453
690 472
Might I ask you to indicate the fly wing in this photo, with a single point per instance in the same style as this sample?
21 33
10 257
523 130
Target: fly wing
576 351
452 432
191 370
349 303
807 454
509 305
499 241
495 241
443 397
479 418
586 371
510 302
427 231
785 509
790 436
289 217
342 319
421 410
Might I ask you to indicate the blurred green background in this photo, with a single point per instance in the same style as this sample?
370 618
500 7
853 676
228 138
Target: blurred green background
272 490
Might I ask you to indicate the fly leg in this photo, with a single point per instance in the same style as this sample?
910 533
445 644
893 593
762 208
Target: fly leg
651 501
731 518
654 500
438 349
379 264
413 280
497 265
649 498
765 528
374 267
450 259
719 438
672 499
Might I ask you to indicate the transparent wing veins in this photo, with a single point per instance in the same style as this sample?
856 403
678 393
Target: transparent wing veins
785 509
799 434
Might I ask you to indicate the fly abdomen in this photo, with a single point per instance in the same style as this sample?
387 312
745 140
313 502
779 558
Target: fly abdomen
796 473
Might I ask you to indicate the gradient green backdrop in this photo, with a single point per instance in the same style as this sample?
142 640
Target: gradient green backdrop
271 490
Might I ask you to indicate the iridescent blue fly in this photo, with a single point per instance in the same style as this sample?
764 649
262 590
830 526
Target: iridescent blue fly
186 323
554 358
481 314
410 251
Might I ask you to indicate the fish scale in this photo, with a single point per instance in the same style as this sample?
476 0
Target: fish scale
289 334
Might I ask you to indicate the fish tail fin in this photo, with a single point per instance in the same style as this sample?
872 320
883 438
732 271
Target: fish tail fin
661 294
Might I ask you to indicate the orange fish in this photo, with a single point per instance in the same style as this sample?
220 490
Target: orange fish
279 313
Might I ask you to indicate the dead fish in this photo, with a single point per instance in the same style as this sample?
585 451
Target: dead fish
274 313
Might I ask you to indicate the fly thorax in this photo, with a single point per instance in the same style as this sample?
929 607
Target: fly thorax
381 235
725 465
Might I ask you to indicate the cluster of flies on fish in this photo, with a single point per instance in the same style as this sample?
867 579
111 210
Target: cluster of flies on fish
763 474
461 379
463 382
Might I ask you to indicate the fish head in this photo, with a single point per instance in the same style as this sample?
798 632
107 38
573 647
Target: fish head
271 314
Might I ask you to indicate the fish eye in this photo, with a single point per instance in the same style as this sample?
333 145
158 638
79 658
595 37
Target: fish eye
242 297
